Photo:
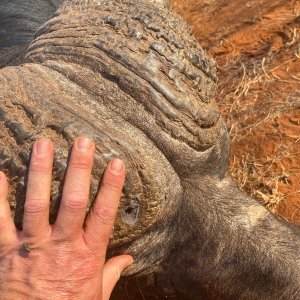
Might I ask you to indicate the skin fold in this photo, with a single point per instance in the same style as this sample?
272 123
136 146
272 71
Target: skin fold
130 75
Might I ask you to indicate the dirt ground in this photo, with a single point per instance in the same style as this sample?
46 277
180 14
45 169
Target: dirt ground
257 47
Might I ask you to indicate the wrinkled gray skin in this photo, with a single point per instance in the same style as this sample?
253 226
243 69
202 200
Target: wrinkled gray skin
196 229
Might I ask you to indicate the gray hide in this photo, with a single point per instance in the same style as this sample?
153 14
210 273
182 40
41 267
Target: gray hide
129 74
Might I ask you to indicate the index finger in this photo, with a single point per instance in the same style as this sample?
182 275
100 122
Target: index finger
99 223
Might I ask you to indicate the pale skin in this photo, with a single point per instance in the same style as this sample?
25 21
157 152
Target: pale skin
65 260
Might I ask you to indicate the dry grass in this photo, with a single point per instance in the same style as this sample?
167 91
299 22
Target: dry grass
257 46
254 96
263 178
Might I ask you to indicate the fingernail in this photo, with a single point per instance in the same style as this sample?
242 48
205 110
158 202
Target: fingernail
129 262
42 147
84 143
116 166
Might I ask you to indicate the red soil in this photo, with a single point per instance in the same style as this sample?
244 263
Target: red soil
257 47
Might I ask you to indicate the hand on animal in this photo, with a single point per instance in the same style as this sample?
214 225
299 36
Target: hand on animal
129 75
65 260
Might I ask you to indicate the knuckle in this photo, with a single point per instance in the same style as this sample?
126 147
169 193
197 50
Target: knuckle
35 205
82 163
111 184
40 166
105 215
75 202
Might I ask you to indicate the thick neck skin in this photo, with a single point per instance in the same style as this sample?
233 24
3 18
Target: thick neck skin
63 92
231 243
44 103
167 80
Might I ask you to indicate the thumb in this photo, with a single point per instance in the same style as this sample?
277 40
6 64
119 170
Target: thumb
112 271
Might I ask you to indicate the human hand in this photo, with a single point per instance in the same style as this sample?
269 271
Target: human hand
65 260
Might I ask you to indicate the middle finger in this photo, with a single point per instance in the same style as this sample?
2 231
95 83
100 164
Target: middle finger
75 195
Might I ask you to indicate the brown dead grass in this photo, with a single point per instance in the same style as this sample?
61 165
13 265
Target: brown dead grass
257 47
251 108
252 104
